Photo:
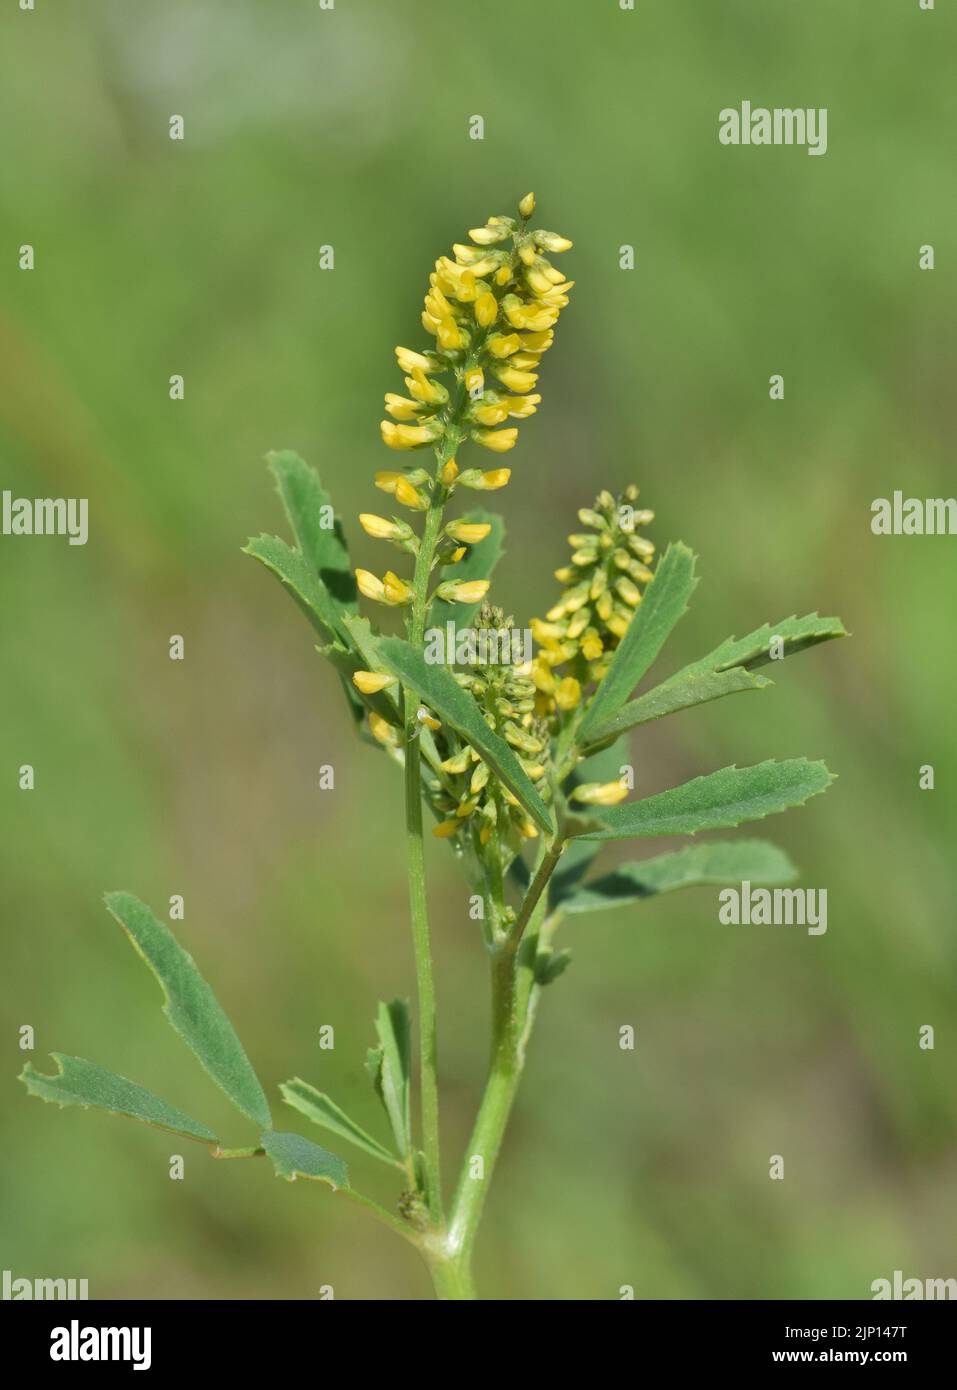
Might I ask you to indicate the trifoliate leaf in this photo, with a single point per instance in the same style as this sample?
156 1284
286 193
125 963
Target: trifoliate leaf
318 531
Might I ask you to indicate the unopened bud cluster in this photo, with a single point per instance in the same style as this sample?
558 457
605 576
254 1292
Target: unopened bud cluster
470 798
603 587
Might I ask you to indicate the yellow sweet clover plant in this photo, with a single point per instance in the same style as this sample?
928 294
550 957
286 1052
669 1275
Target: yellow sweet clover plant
512 741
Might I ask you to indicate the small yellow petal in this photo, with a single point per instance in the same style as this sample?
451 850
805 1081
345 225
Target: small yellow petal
371 682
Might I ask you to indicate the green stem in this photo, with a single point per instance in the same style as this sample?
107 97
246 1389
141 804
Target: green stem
425 983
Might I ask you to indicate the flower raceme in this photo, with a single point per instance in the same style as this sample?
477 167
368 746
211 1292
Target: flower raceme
491 308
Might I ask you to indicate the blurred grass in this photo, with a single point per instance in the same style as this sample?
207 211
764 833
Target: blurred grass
350 127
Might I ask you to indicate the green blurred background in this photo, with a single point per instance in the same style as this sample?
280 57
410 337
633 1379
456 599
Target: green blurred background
307 127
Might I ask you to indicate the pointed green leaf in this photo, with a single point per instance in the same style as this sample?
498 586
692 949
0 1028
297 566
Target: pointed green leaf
294 1157
477 564
664 601
297 577
797 634
79 1082
723 861
394 1029
717 802
323 1111
191 1006
677 693
318 531
438 689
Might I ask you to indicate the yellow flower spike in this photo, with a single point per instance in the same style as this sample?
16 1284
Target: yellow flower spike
370 586
463 590
527 206
449 473
486 309
371 682
498 440
469 532
568 694
445 829
410 496
600 793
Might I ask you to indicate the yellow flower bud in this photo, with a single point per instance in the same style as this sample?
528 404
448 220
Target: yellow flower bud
379 527
450 336
463 590
428 392
424 716
449 473
400 408
490 481
551 241
410 496
486 309
371 682
469 532
527 206
503 345
514 379
498 440
395 590
488 236
447 828
492 413
370 586
475 382
521 407
503 275
600 793
408 436
380 729
409 360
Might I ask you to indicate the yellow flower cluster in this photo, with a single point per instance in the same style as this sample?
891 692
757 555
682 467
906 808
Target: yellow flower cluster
491 310
603 586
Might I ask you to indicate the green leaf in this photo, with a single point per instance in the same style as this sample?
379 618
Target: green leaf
477 564
84 1083
192 1007
394 1029
438 689
664 601
297 577
797 635
678 693
723 861
309 509
295 1157
323 1111
721 800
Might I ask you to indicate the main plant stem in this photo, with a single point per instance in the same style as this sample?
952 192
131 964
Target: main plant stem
421 940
